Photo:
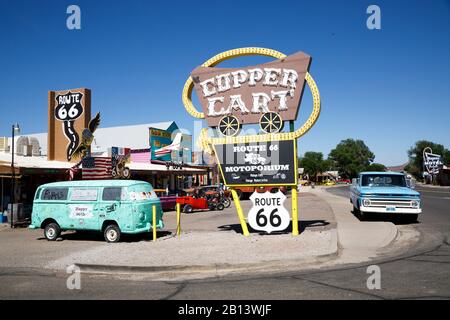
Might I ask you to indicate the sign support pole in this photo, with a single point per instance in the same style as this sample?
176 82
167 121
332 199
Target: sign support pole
178 219
294 211
294 193
154 223
240 213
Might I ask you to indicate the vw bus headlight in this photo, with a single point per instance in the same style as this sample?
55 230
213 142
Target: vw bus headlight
366 203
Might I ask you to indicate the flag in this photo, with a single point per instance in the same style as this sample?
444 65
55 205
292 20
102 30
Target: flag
97 168
140 155
74 170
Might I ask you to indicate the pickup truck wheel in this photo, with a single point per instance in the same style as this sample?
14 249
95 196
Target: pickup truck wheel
410 218
112 233
52 231
359 214
187 208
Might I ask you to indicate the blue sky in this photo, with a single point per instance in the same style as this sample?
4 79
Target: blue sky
389 87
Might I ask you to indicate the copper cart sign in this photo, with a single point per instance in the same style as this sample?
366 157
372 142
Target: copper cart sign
247 93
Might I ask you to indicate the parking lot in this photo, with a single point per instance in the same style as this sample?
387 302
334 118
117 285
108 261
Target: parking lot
26 248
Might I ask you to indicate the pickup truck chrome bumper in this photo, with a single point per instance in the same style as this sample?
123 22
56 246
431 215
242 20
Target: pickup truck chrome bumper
385 210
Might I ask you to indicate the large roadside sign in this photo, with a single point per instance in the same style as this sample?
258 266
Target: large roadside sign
267 94
258 164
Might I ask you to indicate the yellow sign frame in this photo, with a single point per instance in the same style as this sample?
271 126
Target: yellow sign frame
205 141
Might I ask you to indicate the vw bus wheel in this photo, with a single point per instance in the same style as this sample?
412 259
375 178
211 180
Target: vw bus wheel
112 233
271 122
229 126
52 231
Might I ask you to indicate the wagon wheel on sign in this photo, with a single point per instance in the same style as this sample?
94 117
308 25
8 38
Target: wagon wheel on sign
229 126
271 122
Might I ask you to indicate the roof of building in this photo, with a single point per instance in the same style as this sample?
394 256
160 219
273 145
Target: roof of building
132 136
397 168
41 162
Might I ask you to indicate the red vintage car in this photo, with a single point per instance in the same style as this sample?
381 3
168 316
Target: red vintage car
209 200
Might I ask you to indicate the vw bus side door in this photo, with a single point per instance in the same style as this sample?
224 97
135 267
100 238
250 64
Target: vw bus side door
82 207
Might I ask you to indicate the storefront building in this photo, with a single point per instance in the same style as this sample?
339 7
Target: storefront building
32 167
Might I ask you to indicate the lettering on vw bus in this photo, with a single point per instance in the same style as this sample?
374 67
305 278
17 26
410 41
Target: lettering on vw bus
80 211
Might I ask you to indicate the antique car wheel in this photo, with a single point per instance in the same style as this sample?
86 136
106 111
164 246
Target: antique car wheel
187 208
220 207
229 126
271 122
226 202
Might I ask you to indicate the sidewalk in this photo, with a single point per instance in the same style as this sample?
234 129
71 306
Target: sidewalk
359 240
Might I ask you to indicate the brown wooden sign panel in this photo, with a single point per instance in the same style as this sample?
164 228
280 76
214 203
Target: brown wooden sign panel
249 92
69 112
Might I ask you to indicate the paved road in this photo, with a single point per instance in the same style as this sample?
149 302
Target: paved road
425 276
435 215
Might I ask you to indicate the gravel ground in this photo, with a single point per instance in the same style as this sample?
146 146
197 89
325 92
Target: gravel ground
208 237
204 248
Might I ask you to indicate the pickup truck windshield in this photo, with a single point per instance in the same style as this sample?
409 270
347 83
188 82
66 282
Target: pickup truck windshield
377 180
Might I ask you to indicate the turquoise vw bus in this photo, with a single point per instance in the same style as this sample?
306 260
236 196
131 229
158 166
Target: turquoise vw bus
112 207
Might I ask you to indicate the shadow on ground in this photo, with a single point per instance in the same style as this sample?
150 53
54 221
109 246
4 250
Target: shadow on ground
98 236
302 225
395 219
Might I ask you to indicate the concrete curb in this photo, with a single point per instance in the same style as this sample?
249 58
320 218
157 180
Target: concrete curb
177 272
426 243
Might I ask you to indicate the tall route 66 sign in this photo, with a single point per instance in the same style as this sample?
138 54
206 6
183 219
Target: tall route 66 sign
268 95
268 213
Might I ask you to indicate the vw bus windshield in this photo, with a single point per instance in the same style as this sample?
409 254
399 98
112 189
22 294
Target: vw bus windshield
378 180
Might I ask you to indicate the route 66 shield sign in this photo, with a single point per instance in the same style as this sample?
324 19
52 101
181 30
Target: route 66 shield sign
268 213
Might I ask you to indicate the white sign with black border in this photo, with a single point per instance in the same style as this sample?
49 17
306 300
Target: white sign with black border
268 213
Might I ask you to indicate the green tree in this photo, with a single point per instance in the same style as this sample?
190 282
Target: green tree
376 167
351 157
415 155
313 164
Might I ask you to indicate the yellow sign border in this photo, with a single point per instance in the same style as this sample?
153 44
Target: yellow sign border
294 142
205 141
